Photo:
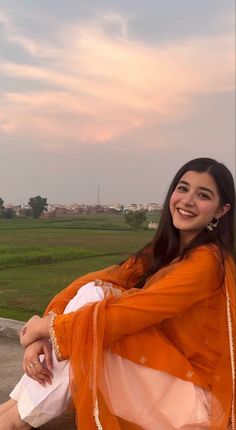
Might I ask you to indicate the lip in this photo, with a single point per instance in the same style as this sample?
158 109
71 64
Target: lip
192 214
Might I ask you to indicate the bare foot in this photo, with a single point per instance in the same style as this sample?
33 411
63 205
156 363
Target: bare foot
5 406
10 420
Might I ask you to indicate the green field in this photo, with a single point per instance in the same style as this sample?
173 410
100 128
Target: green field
40 257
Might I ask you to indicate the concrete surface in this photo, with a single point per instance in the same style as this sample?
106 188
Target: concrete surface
11 354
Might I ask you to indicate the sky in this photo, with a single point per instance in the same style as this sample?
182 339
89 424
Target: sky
112 93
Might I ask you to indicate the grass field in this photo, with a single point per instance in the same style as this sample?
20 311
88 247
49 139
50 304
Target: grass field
40 257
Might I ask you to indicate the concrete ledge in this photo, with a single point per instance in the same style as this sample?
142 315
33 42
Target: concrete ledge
10 328
11 354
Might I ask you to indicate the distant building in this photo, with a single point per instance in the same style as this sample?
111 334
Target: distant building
130 208
153 207
75 209
118 207
152 225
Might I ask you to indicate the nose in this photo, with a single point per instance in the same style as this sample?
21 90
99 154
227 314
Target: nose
188 199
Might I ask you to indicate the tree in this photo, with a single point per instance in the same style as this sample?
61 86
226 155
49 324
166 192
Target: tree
38 205
25 212
1 207
9 213
135 219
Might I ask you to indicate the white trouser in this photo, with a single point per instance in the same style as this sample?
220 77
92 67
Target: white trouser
37 404
148 397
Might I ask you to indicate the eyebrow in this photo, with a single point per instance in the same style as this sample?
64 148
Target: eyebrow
201 188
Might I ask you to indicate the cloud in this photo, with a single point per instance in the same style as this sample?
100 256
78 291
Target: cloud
13 35
97 84
6 126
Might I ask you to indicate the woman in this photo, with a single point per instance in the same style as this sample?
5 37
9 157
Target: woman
155 349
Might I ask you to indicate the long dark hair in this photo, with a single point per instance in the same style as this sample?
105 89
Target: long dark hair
165 246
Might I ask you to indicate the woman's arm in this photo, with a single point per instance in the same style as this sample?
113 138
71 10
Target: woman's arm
35 329
125 276
192 280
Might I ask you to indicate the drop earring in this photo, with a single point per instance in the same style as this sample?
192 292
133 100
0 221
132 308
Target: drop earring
213 224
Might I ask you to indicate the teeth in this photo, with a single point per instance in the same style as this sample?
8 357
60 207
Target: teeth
183 212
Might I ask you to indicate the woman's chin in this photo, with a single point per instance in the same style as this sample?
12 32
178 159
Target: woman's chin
184 226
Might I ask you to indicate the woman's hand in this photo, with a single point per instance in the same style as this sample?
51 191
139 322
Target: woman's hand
40 372
34 329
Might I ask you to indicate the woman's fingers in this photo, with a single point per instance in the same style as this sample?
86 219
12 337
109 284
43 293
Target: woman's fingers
36 371
38 379
47 349
44 371
33 376
32 365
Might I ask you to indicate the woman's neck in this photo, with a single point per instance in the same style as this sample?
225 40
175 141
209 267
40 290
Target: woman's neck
185 238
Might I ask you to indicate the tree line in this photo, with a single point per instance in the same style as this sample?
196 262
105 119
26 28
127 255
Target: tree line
36 206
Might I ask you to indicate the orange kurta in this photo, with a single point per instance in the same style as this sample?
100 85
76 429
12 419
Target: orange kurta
177 323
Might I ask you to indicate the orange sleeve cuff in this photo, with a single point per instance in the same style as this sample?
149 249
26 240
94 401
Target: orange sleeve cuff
59 334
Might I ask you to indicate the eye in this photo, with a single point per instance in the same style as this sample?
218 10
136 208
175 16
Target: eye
182 188
204 196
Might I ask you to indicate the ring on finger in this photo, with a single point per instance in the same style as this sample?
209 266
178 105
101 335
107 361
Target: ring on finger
32 364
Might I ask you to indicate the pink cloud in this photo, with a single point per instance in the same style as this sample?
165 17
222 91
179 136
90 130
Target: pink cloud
103 87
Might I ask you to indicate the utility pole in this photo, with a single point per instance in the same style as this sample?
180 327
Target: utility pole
98 195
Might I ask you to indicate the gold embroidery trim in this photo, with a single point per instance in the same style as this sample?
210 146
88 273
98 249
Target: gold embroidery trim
189 374
94 375
143 359
232 356
108 288
53 338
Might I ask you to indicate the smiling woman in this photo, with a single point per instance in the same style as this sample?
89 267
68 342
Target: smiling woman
194 204
147 344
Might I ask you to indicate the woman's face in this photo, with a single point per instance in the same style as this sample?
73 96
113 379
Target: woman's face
194 203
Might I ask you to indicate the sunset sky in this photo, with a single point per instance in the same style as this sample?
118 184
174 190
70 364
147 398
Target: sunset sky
111 92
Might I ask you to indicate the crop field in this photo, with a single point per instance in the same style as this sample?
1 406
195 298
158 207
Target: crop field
38 258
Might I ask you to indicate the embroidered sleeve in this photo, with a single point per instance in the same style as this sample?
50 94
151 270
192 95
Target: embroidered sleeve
108 288
191 281
53 338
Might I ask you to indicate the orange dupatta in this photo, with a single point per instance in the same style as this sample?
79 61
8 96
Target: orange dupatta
188 293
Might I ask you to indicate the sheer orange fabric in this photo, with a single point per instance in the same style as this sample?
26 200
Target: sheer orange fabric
124 277
178 323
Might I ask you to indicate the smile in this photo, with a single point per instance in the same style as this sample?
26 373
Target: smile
185 213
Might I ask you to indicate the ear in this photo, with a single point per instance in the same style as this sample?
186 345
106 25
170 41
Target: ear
222 211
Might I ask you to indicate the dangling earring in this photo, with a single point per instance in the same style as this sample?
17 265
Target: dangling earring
213 224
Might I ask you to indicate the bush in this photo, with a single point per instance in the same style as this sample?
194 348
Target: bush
135 219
